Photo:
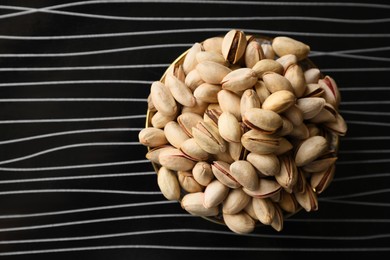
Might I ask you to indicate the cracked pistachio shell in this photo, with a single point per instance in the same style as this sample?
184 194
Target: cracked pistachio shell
211 56
168 183
294 74
190 61
285 45
331 91
175 160
229 127
152 137
264 209
313 90
267 65
249 99
267 164
213 44
239 80
202 173
284 146
193 80
162 98
279 101
188 183
294 114
221 171
187 120
233 46
212 72
212 114
275 82
208 138
339 126
278 220
253 53
240 223
321 164
310 106
235 201
260 143
288 202
244 173
327 114
215 193
207 92
307 199
193 151
230 102
263 120
288 174
261 91
287 127
310 149
321 180
175 134
181 93
267 188
193 204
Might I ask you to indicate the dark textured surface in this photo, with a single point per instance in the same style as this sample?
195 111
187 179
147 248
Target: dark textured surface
74 78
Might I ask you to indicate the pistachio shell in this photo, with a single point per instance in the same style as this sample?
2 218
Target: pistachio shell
188 183
187 120
175 160
152 137
249 209
261 91
279 101
294 74
168 184
313 90
288 202
213 44
294 114
288 174
190 61
310 149
267 65
233 46
265 121
215 193
278 219
312 75
207 92
229 127
287 60
307 199
285 45
244 173
275 82
266 189
193 204
339 126
258 142
211 56
193 80
175 134
153 154
331 91
253 53
212 72
207 137
264 209
249 99
221 171
202 173
199 108
239 79
163 99
321 180
240 223
230 102
267 164
235 201
193 151
310 106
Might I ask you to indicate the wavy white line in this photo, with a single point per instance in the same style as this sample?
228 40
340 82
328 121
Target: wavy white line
122 192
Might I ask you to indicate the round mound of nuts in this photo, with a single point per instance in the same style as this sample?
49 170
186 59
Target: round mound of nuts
244 130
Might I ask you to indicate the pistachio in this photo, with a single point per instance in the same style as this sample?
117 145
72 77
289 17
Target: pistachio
261 91
327 114
192 150
279 101
211 56
267 65
212 114
287 60
321 180
207 92
266 189
264 209
229 127
188 120
339 126
233 46
294 114
284 146
331 91
175 160
300 132
152 137
188 183
239 80
313 90
268 51
159 120
212 72
249 210
193 204
288 174
265 121
180 91
294 74
310 149
240 223
307 199
253 53
151 106
208 138
199 108
221 171
235 150
193 80
311 106
245 174
190 61
278 220
202 173
258 142
266 164
312 75
249 99
215 193
288 202
230 102
153 154
285 45
175 134
168 184
322 163
275 82
235 201
163 99
213 44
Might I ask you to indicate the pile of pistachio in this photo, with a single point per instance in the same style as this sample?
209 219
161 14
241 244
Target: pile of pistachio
244 130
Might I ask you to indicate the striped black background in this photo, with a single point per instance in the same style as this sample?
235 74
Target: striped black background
74 78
